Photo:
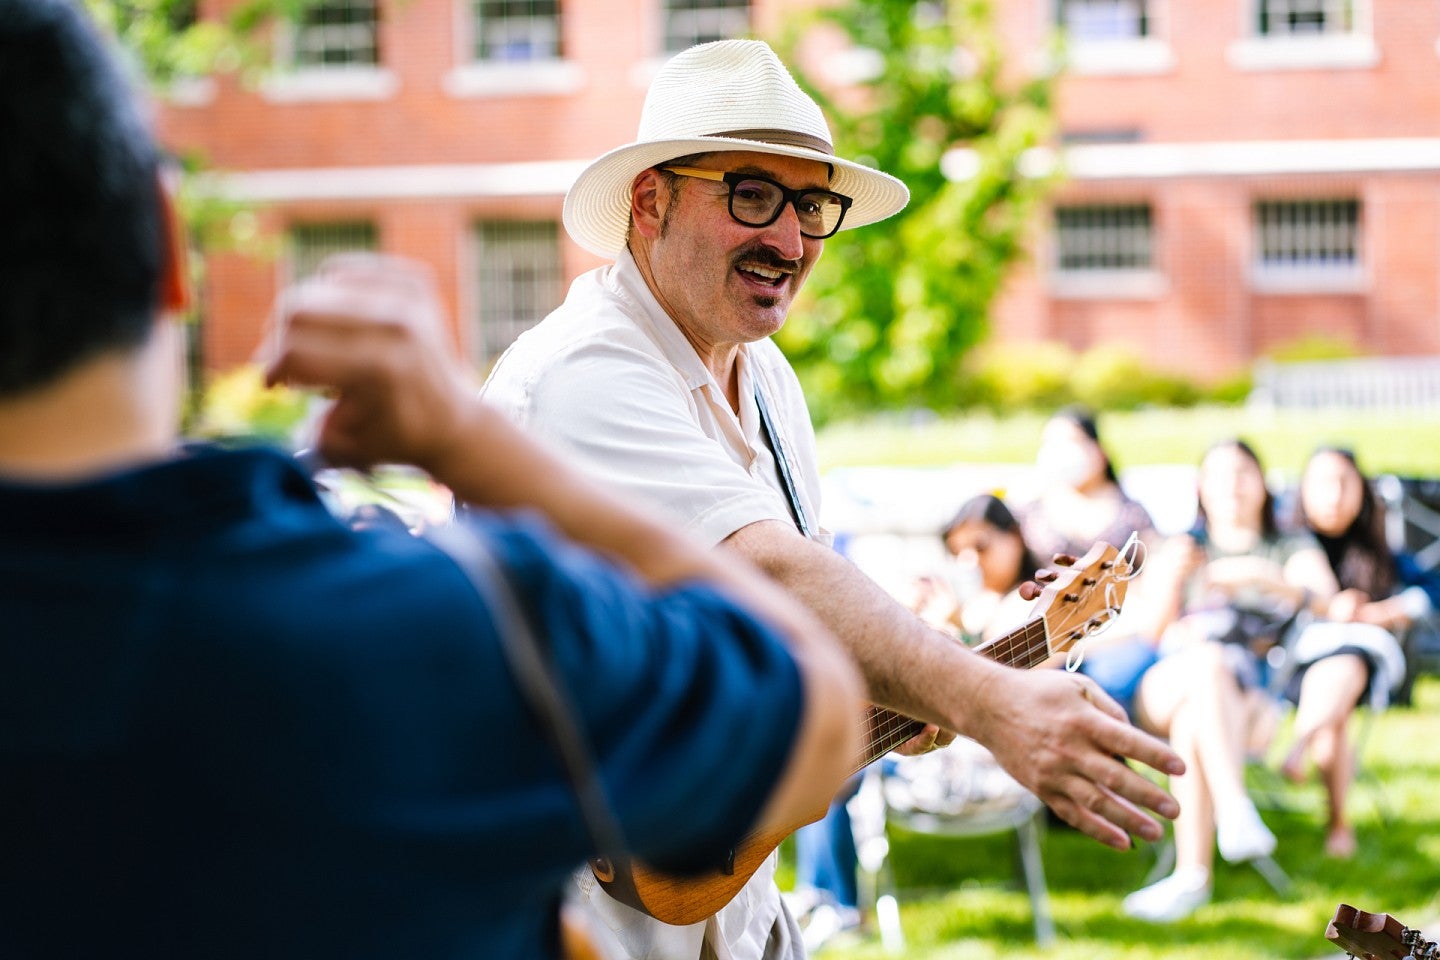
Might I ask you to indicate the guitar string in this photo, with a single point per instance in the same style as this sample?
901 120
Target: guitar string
895 728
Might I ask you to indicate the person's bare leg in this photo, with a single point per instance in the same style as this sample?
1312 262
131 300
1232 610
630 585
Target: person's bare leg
1217 709
1195 826
1328 695
1335 757
1163 706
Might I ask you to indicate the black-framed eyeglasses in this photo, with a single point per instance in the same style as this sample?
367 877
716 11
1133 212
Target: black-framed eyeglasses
758 201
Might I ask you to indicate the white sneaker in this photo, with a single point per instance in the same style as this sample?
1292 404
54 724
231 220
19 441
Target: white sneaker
1167 900
1241 834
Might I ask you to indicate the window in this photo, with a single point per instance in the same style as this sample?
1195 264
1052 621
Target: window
509 31
1113 37
520 281
1310 235
1306 35
337 33
1086 20
688 22
311 243
1289 18
1096 238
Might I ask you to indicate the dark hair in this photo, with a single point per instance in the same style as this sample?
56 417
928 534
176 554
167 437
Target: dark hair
81 230
1360 556
991 510
1085 420
1269 526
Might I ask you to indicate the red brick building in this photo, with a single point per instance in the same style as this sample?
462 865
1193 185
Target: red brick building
1240 172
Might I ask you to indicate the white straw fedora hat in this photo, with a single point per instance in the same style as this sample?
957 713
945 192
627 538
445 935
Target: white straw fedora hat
727 95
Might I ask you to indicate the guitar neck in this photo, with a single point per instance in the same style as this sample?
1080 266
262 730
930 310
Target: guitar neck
885 729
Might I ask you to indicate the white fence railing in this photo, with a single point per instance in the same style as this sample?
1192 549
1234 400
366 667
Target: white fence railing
1389 383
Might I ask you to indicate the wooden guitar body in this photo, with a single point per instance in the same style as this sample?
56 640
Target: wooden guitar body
682 899
1080 601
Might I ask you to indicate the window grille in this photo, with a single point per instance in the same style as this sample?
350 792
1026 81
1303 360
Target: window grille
1104 19
1307 233
1283 18
517 30
338 33
1103 237
520 281
688 22
311 243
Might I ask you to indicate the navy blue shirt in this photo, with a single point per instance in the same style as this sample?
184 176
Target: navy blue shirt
232 727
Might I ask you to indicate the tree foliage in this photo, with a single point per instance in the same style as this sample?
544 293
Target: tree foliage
892 308
169 40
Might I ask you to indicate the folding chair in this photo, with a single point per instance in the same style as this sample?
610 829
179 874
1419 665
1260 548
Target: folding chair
1270 871
1412 514
958 791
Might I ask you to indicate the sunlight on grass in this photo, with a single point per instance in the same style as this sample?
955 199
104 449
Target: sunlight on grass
1384 442
959 897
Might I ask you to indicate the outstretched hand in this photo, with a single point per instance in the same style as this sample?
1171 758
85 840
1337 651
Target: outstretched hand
370 331
1066 740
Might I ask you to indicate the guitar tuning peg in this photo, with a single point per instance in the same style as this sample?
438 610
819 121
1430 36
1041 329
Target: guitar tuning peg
1071 598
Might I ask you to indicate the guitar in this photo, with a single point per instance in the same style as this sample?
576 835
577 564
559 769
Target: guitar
1377 936
1081 600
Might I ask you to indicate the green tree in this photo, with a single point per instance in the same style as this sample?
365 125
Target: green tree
167 39
891 309
168 42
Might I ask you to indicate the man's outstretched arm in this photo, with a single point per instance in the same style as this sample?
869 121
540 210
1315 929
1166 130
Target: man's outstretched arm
369 330
1055 732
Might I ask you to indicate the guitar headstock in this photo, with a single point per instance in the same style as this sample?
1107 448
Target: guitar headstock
1079 601
1377 936
1085 597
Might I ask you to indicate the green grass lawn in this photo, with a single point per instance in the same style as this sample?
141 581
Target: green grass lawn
1384 442
960 899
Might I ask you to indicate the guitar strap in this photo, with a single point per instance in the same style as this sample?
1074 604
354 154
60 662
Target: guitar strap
529 661
787 479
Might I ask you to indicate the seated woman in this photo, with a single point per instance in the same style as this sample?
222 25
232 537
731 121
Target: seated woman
1353 656
976 597
1202 694
1081 502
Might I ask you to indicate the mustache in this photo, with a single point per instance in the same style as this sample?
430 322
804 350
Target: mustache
762 256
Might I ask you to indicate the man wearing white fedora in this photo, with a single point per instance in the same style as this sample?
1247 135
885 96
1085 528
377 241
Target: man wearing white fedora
657 375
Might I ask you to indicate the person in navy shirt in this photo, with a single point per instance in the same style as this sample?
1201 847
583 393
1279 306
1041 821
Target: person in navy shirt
233 726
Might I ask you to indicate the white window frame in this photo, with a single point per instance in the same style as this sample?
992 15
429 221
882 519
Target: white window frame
717 11
1354 49
1306 276
293 83
1150 54
474 78
1106 283
552 265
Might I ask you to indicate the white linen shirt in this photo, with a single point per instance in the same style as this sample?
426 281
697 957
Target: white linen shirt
611 380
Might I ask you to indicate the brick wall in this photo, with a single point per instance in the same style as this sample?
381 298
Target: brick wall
1204 316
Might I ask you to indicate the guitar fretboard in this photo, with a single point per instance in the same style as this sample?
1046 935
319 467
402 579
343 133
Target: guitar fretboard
885 729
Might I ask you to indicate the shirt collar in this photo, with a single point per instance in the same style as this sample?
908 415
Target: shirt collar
625 280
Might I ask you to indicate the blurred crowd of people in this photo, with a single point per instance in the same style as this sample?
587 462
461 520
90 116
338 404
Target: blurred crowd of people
1242 616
